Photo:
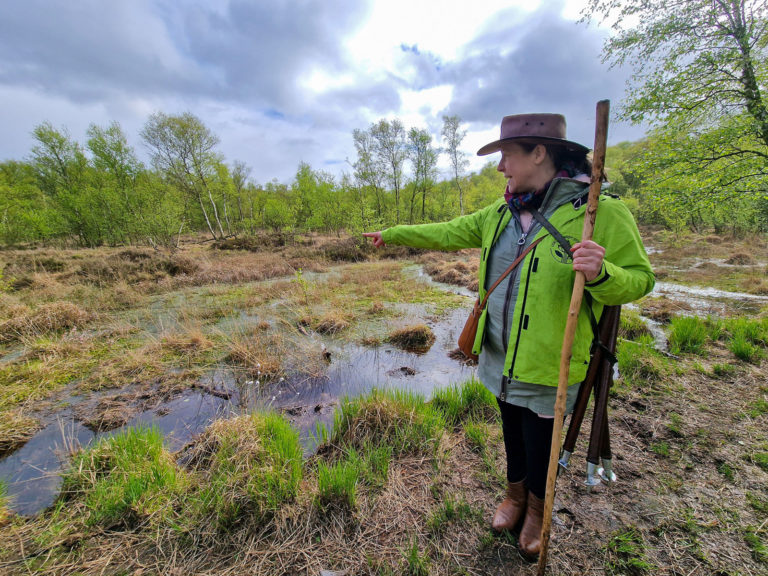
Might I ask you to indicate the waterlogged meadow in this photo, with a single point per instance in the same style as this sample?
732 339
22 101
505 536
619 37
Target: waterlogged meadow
397 476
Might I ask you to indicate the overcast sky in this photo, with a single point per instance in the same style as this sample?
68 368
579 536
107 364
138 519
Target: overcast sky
284 81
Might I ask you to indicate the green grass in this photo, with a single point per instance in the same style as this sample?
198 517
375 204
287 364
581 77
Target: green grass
721 370
639 363
477 435
758 503
760 459
250 466
625 554
451 510
757 408
337 484
660 448
632 326
675 425
755 539
124 479
3 499
399 419
470 401
748 338
416 563
726 470
687 334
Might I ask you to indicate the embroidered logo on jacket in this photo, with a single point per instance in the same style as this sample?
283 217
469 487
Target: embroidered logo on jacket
558 252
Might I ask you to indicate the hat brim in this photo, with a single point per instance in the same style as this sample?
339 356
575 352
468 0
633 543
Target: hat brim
499 144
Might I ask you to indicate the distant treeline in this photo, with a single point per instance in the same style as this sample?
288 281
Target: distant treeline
102 194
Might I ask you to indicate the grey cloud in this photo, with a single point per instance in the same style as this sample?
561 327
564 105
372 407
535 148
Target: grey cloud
237 51
535 62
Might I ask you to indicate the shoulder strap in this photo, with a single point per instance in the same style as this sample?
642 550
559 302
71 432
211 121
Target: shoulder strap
587 296
508 270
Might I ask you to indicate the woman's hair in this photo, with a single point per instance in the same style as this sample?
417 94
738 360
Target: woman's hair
562 157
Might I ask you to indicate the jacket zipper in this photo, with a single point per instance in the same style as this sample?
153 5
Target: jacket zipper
521 323
508 295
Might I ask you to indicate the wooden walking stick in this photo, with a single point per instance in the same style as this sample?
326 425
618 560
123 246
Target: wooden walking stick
598 163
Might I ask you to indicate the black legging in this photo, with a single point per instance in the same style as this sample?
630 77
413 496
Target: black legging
527 440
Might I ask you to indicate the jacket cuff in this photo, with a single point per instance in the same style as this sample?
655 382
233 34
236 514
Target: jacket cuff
602 277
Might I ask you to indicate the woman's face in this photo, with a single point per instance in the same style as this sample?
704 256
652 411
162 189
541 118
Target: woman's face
525 171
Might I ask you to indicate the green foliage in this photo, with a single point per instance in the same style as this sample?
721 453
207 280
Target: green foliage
124 479
687 334
661 448
625 554
699 71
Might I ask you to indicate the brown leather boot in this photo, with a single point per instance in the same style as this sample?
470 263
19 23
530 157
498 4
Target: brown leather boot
511 509
529 542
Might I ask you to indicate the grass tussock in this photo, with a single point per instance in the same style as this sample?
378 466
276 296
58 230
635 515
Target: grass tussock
396 418
418 338
258 354
16 428
46 319
631 325
249 467
124 480
469 402
639 363
687 334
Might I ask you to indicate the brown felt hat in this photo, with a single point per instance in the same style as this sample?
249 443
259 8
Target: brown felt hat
539 128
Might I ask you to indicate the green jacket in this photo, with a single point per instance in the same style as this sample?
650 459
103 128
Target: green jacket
546 278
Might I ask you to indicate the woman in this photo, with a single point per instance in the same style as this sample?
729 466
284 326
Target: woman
521 331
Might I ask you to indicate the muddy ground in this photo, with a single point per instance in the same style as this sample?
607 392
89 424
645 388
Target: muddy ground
110 333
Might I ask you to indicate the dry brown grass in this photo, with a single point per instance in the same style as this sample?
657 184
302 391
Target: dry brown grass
16 427
46 318
418 338
663 309
457 268
259 354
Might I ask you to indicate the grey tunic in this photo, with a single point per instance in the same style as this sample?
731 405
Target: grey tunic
512 240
